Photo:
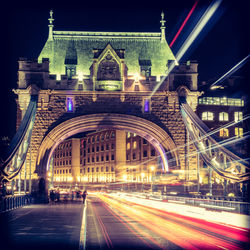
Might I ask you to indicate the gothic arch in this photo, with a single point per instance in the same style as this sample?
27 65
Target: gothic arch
144 128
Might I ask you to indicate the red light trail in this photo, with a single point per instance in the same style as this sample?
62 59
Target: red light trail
184 23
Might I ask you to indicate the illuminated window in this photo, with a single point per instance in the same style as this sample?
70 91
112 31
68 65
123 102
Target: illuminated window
207 116
223 116
128 145
134 145
224 132
70 104
128 134
238 132
238 116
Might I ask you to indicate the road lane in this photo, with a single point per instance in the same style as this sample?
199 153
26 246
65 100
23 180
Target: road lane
186 232
107 228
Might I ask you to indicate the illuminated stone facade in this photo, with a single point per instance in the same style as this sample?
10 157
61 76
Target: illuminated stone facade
103 80
103 157
66 164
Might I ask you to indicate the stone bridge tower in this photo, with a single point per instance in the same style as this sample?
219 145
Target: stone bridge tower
95 80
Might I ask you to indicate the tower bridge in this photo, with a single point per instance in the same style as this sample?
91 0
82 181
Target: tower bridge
84 81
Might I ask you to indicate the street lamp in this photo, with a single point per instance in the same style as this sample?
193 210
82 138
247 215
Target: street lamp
152 168
142 176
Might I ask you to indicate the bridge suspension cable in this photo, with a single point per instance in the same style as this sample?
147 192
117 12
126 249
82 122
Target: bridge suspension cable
20 143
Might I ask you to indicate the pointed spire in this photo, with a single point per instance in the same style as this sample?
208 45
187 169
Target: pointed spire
51 19
163 38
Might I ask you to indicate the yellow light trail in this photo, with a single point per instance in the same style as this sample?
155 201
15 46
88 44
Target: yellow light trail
176 230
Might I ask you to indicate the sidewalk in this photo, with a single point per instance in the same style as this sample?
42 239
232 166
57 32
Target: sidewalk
44 227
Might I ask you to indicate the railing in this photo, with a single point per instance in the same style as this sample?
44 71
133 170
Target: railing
212 204
209 203
12 202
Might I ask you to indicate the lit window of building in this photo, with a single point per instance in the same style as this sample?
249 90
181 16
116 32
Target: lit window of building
134 145
238 132
238 116
128 145
224 132
223 116
128 135
223 101
207 116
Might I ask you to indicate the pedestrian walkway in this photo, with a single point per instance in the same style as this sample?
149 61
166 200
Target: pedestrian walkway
43 226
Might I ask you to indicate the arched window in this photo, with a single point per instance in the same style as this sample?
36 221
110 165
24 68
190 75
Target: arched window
223 116
207 116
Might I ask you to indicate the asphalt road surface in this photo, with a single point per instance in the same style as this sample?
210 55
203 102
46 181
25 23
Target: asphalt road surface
112 223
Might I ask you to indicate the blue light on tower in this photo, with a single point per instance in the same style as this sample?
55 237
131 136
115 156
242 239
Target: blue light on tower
69 104
146 105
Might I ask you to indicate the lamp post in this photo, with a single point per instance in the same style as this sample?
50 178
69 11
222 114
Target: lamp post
142 176
152 168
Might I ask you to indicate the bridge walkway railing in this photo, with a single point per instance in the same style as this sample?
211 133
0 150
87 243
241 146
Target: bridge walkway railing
11 202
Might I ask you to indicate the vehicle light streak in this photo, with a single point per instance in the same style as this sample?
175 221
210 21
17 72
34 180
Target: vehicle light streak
230 72
184 23
124 221
176 230
104 231
193 35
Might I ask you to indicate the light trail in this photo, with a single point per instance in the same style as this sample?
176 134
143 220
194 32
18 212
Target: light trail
184 23
202 138
193 35
186 232
230 72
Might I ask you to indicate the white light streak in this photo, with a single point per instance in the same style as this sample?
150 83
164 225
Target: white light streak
230 72
193 35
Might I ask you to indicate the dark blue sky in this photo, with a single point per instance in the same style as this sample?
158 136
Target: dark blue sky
222 44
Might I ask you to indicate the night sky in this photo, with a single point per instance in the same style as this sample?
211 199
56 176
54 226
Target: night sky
222 44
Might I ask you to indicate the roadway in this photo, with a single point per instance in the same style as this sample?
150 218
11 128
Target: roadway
113 223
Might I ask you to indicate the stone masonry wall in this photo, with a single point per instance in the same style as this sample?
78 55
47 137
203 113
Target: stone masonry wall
163 113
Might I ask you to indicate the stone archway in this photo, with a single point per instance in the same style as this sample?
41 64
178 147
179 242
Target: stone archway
144 128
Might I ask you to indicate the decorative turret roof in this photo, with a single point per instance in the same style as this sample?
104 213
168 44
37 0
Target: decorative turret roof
137 47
